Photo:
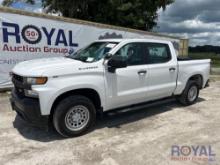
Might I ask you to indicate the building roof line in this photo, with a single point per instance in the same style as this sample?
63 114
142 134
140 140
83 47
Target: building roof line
82 22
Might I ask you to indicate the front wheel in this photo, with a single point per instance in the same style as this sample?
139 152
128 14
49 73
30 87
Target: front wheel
190 94
74 116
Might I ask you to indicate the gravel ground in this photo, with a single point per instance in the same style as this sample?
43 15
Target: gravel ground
137 137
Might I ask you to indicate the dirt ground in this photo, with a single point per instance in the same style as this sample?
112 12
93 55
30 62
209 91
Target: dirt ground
131 138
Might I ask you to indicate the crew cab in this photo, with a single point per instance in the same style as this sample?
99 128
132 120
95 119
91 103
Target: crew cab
106 75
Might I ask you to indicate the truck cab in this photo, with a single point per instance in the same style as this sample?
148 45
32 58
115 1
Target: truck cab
105 75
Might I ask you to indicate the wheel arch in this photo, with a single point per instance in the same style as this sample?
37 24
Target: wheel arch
90 93
198 78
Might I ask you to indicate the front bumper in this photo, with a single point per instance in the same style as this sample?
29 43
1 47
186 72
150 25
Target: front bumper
29 110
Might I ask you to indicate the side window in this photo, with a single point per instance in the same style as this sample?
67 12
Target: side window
133 53
158 53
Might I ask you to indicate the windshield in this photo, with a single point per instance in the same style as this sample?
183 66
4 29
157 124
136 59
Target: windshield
93 52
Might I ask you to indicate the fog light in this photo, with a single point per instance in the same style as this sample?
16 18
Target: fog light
30 93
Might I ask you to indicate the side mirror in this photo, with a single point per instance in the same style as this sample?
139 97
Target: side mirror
116 62
108 56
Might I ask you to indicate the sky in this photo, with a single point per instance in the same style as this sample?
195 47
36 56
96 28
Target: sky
198 20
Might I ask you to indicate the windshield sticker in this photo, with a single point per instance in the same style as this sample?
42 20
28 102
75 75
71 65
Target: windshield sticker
90 59
110 45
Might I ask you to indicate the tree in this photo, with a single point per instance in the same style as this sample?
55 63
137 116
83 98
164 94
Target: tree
138 14
9 2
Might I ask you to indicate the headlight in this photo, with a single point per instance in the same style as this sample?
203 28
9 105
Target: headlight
35 80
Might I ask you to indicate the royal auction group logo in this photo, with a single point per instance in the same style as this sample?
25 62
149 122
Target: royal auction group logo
193 153
30 38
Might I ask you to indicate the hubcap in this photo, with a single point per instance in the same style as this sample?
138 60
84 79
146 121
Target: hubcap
77 118
192 94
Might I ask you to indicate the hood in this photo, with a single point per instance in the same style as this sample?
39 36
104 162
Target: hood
47 66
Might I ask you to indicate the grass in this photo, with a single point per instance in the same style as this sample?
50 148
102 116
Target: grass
214 57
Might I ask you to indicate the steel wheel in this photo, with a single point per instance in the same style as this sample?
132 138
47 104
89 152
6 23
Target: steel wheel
192 93
77 118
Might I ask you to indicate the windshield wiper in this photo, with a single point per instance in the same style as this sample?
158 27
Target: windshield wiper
82 59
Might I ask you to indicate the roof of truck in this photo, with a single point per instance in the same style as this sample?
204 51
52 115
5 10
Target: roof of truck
110 40
134 40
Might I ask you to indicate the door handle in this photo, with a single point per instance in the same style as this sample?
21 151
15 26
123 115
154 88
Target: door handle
172 69
142 72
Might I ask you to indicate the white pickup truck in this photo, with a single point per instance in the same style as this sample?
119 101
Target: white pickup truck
108 74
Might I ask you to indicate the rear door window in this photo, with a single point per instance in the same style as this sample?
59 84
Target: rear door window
157 53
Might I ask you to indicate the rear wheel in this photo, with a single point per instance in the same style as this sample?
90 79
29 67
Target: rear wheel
74 116
190 94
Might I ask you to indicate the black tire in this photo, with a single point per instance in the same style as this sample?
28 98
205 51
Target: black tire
184 99
62 109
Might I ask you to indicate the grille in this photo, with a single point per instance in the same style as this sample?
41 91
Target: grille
18 84
19 91
18 78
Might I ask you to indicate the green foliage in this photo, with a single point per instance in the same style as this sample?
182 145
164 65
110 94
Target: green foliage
138 14
213 56
9 2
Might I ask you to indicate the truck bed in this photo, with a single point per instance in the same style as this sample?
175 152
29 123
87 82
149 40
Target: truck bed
188 67
184 58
